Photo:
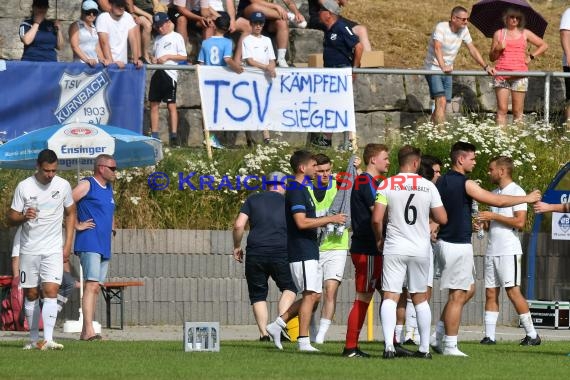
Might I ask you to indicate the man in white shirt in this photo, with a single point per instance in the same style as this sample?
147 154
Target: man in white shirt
117 31
410 200
504 252
443 47
38 206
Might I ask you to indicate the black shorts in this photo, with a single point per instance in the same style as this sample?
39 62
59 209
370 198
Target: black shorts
162 88
174 15
567 83
258 269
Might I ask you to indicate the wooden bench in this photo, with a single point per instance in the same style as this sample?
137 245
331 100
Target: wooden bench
113 293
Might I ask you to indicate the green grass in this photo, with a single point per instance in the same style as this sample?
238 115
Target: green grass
255 360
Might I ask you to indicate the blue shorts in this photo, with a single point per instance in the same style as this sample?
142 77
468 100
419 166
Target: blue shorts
94 269
440 85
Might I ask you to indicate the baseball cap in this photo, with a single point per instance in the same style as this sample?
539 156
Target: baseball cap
257 17
276 178
89 5
331 6
119 3
159 19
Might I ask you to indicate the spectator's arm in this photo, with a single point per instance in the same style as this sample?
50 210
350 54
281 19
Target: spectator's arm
135 46
476 55
232 64
541 45
237 235
105 47
542 207
59 32
293 8
70 219
438 50
358 49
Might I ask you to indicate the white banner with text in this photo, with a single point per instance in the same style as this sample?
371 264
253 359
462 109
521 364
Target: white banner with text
302 100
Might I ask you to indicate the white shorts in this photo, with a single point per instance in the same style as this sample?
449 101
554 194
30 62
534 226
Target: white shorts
307 276
332 264
396 268
36 269
502 271
457 266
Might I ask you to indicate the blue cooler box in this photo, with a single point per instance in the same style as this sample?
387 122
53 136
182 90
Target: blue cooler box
550 314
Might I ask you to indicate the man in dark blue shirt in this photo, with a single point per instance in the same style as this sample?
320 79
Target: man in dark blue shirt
303 247
266 249
454 240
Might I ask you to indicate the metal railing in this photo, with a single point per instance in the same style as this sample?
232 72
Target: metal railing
547 75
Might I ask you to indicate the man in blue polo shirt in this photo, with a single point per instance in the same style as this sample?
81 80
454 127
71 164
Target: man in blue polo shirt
341 48
303 247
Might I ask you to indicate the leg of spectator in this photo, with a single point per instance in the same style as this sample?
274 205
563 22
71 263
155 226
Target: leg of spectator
362 32
285 301
172 118
182 28
281 30
154 117
518 105
438 115
502 105
90 293
146 29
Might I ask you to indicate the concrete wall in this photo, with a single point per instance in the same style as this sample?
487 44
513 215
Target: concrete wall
191 276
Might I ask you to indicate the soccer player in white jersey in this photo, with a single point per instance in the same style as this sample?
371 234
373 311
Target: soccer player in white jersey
39 204
504 252
409 200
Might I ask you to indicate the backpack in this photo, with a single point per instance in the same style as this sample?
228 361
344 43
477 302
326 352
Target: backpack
12 315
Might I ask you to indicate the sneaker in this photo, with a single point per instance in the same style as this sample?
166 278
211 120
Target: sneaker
528 341
292 21
388 354
402 352
409 342
487 340
215 143
285 334
174 142
282 63
265 338
274 332
354 353
45 345
308 348
453 351
321 142
422 355
436 345
30 346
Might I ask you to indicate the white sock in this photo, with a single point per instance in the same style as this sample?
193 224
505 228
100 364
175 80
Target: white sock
411 322
49 316
281 54
450 341
399 332
423 313
323 328
491 323
304 342
526 321
280 322
388 319
32 311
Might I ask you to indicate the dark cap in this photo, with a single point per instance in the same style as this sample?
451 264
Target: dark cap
223 22
257 17
119 3
159 19
40 3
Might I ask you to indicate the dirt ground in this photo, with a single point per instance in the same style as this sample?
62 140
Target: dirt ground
401 28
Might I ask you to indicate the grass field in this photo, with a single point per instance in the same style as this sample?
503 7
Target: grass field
256 360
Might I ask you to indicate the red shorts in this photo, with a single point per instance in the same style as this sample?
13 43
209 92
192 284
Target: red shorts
368 272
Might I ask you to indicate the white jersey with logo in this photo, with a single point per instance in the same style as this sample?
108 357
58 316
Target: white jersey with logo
259 48
169 44
44 234
409 199
503 239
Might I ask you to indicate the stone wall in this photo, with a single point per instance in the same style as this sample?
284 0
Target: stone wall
383 102
192 276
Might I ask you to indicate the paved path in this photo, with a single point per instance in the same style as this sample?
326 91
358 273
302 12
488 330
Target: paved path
235 332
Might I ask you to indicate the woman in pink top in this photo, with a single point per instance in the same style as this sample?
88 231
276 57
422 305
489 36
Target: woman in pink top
509 50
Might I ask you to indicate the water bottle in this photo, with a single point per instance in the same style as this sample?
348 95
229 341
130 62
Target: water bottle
475 214
34 204
340 230
330 227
